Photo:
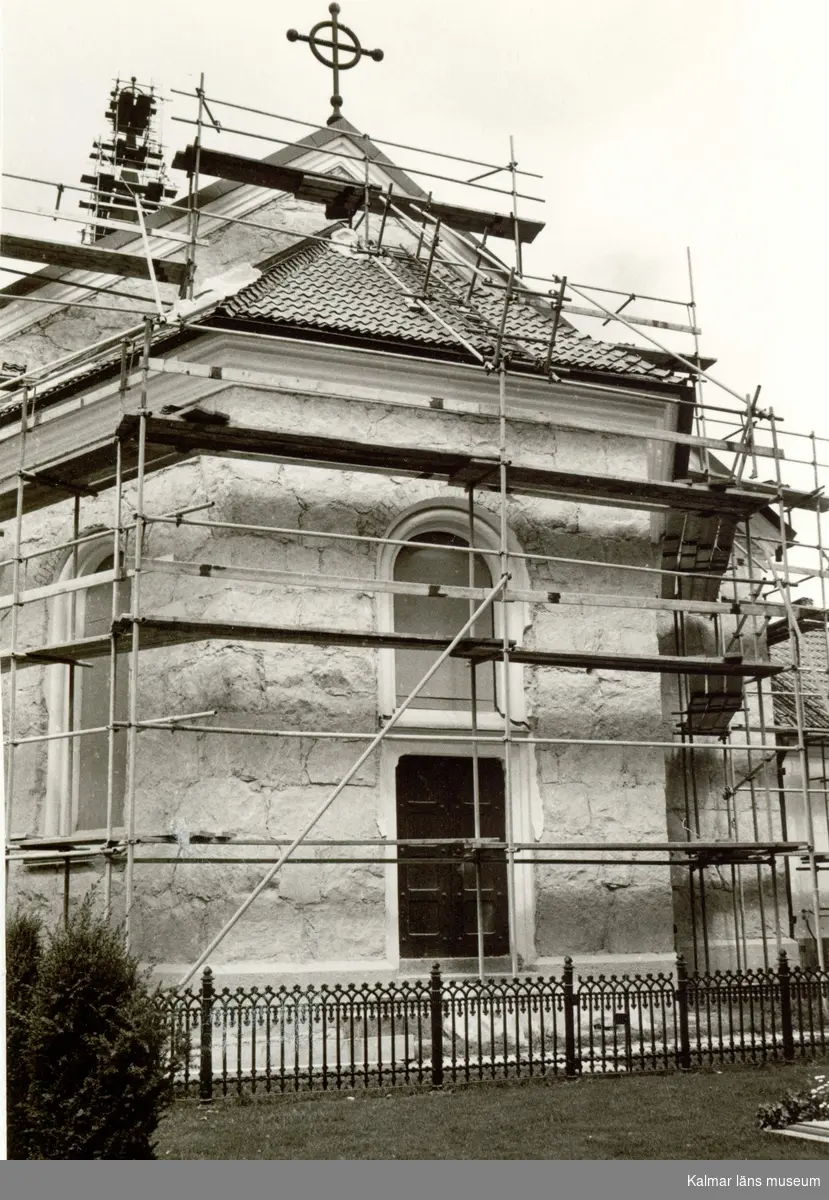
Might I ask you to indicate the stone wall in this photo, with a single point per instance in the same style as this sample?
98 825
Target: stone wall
249 786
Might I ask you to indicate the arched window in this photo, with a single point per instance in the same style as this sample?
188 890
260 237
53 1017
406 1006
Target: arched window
78 768
431 557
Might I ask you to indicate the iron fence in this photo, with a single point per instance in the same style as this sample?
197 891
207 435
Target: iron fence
450 1030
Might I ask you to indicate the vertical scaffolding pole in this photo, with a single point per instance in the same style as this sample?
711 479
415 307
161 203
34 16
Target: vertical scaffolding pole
732 801
366 197
686 759
132 729
803 756
187 287
761 712
476 775
70 796
692 321
691 762
824 559
15 616
113 663
749 778
729 801
519 265
505 663
823 604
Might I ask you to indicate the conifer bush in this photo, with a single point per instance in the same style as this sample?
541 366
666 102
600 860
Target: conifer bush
98 1079
23 953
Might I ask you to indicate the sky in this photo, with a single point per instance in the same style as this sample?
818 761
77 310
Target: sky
657 125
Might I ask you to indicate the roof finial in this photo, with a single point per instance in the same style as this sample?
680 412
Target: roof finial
336 45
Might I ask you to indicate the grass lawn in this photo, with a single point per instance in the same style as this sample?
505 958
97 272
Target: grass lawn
694 1116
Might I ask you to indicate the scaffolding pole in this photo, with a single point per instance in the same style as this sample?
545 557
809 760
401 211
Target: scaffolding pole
795 639
135 614
15 615
503 555
113 663
516 853
323 809
476 782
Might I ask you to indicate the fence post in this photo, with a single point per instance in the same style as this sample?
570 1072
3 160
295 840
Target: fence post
436 1011
784 978
206 1059
683 1058
570 1063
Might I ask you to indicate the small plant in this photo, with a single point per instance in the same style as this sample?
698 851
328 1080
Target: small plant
811 1105
23 954
98 1079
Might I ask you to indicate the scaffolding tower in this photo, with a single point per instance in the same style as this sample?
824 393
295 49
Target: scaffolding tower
719 566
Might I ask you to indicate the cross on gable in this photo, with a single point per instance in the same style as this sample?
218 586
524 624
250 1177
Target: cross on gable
350 46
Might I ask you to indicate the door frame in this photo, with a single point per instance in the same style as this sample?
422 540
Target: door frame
525 803
453 910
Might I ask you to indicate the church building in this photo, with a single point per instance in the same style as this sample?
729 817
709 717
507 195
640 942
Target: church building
339 540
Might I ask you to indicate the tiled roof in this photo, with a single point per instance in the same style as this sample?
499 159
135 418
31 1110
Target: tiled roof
324 287
332 289
814 682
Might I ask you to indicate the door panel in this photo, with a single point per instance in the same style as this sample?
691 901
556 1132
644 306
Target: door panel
437 899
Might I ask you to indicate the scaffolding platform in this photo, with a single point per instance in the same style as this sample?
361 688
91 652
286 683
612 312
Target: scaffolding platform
156 632
697 546
71 451
711 709
169 440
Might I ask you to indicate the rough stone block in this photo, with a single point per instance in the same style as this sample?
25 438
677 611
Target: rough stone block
327 762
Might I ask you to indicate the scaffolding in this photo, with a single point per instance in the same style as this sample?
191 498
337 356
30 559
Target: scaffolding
726 555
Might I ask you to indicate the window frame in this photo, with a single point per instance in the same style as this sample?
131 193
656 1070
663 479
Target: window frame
487 673
67 622
448 516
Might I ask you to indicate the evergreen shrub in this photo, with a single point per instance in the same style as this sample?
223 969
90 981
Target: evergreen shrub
24 948
95 1053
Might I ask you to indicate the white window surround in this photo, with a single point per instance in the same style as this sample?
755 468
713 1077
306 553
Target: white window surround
448 516
67 621
525 801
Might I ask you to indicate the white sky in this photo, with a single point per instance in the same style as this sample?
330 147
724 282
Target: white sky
656 123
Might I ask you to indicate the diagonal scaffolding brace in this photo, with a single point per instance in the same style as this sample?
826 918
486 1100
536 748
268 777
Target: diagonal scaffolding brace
323 809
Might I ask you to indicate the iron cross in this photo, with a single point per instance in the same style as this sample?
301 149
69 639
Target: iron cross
352 47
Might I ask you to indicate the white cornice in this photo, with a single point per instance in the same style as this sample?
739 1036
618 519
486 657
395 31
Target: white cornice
375 370
352 376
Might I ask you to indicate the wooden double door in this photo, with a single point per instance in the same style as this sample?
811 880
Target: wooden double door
437 899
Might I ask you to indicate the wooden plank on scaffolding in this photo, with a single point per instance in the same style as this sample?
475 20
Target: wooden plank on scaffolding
666 664
170 440
90 466
343 198
457 469
88 258
159 632
70 841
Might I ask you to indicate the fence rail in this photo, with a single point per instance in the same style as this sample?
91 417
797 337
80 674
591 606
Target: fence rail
460 1030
